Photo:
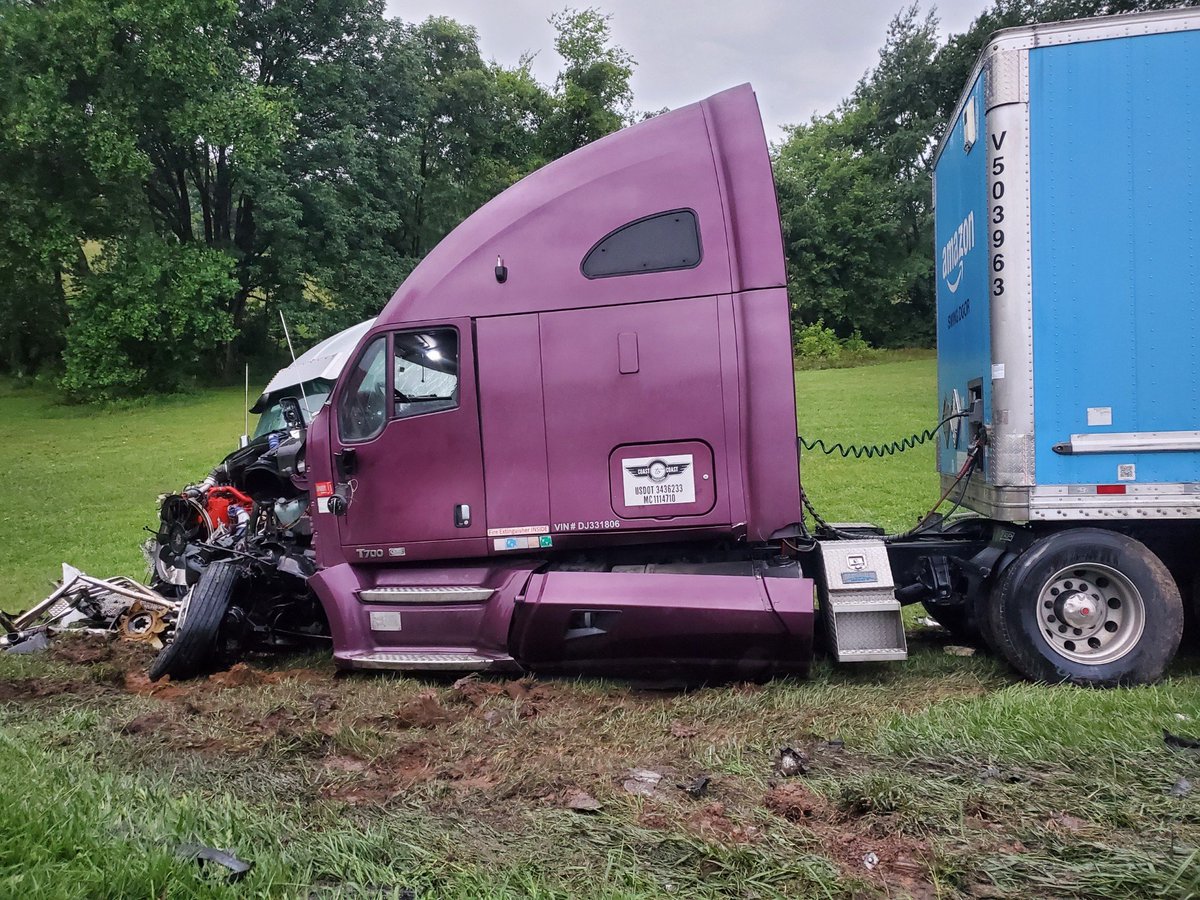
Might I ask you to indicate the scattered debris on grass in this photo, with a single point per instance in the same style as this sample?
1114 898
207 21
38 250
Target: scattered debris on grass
1181 788
642 782
956 650
238 868
116 605
697 787
582 801
792 762
1180 742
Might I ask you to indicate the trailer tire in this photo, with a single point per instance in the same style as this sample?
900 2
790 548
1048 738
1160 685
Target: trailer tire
1090 607
194 648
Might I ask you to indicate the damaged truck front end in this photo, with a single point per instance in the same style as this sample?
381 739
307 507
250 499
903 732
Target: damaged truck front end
236 550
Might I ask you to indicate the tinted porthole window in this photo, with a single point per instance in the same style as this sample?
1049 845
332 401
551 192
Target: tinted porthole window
658 243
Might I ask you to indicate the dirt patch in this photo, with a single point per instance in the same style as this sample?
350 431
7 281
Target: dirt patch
423 711
878 852
138 682
527 696
103 652
796 803
26 689
242 675
712 822
358 782
147 724
83 649
892 860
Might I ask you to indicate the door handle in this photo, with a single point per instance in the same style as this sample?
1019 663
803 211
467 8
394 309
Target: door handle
462 515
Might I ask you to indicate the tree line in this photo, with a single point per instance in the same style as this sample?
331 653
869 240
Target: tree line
173 173
855 186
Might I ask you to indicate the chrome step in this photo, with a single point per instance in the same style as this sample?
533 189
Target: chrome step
435 594
862 613
418 660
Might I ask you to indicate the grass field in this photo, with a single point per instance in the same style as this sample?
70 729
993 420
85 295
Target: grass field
942 776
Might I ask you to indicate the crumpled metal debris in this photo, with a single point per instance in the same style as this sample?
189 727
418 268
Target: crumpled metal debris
29 642
1181 788
792 762
238 868
82 602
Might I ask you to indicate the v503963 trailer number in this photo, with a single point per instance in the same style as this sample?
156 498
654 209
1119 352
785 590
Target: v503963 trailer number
997 194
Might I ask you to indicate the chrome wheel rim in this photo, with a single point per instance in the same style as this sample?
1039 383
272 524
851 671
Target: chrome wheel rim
1090 613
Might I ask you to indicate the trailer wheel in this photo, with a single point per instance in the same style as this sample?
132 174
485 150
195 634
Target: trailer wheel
1090 607
194 648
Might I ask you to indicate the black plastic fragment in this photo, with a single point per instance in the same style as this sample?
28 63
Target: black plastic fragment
1180 742
696 787
238 868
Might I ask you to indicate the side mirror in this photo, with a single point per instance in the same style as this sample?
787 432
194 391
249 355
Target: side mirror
290 407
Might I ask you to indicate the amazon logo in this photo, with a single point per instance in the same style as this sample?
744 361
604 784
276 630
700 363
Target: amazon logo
955 250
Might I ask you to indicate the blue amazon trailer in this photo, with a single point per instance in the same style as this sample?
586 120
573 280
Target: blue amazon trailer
1067 242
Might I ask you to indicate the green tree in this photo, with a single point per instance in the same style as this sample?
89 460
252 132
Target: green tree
592 94
145 322
139 117
854 185
316 147
854 198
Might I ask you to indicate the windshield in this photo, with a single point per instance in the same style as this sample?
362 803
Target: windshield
316 392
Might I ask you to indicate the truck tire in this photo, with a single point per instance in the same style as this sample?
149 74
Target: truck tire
1087 606
194 648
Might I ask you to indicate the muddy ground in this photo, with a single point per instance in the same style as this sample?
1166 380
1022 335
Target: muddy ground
765 774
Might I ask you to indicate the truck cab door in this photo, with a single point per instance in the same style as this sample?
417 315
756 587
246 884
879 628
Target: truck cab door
406 446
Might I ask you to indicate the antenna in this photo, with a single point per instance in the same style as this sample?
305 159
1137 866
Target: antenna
246 405
292 351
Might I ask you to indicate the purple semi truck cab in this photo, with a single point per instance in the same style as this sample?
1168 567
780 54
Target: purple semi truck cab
568 441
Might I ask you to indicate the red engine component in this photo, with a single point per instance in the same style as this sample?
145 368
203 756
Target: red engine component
218 499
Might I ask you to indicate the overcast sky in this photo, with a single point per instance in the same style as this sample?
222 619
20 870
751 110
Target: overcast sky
802 56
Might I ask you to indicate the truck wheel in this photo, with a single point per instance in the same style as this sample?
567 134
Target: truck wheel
194 647
1090 607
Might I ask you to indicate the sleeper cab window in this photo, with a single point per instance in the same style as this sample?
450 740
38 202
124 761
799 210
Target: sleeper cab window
425 373
657 243
362 407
